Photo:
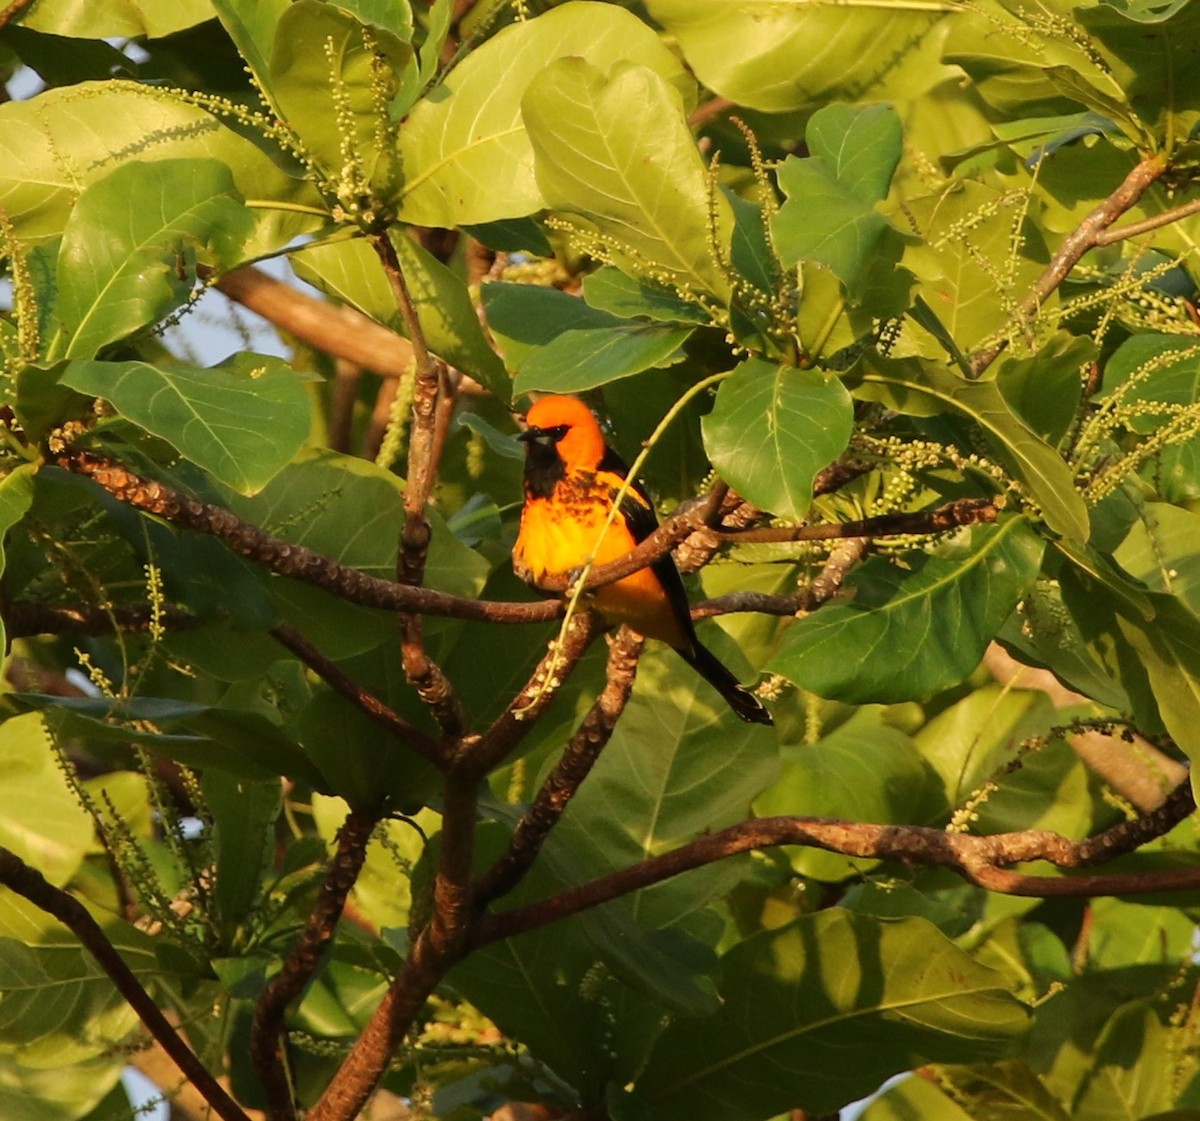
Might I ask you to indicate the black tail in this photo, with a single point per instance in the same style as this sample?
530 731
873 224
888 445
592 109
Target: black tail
740 699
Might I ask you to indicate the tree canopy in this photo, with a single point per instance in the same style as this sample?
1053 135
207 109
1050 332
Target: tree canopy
305 800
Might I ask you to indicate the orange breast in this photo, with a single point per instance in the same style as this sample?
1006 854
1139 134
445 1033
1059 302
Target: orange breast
559 534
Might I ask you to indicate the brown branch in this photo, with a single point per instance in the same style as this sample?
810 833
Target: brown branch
285 558
978 860
335 329
1076 244
22 620
365 701
32 885
963 512
436 948
576 763
9 13
1157 221
267 1036
432 408
762 603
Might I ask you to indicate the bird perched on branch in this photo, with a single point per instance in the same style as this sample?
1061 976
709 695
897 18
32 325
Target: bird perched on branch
571 481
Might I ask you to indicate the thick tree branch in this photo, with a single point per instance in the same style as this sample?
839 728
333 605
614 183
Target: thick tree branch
576 764
267 1037
285 558
335 329
979 860
432 408
32 885
1085 236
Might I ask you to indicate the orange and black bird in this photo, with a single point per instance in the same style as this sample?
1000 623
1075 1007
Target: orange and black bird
571 480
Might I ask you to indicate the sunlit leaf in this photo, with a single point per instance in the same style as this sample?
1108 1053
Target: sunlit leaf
242 422
616 150
915 628
773 428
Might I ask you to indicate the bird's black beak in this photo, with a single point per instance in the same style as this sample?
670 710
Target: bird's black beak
543 437
530 434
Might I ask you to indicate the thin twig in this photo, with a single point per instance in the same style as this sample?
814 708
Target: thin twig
978 860
266 1040
1146 225
1076 244
32 885
361 698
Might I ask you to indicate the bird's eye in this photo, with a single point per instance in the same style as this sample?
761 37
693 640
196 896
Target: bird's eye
558 432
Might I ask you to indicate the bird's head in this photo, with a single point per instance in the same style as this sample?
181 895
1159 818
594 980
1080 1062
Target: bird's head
566 427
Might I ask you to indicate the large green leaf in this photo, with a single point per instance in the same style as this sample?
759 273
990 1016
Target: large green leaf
748 53
583 359
773 428
124 259
252 25
830 216
116 19
705 769
1160 550
464 150
911 631
1152 375
351 510
865 770
80 1092
241 422
55 145
40 818
919 388
1169 650
351 272
58 1006
326 76
615 149
1135 1067
798 1000
965 264
16 496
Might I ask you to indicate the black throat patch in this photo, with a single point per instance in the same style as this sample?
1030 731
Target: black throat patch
544 468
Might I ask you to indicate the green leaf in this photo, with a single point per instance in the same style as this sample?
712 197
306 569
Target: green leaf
106 124
40 818
865 770
919 388
617 151
912 631
1045 389
253 25
324 76
1169 650
79 1092
349 509
116 19
797 1000
125 257
706 768
748 53
1001 1090
241 422
609 289
1134 1067
58 1006
1160 550
773 428
1167 373
244 744
466 155
965 264
351 272
244 814
16 496
523 318
579 360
